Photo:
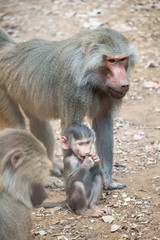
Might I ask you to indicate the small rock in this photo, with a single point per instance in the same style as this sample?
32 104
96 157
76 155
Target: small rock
42 233
108 219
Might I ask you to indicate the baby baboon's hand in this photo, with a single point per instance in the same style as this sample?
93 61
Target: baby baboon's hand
88 162
95 158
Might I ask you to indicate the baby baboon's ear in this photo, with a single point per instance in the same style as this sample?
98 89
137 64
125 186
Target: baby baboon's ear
64 143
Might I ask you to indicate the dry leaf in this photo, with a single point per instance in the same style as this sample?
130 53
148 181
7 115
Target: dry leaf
128 199
150 84
114 227
124 195
62 238
139 135
151 64
54 221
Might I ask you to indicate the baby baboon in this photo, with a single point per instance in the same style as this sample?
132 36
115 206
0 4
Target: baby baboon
24 168
83 181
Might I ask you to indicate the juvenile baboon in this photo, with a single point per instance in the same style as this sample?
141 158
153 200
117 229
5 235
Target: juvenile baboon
83 181
85 75
24 168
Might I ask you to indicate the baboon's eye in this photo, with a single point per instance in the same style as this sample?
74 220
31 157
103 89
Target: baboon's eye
111 60
123 59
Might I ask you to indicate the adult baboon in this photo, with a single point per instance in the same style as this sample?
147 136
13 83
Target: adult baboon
85 75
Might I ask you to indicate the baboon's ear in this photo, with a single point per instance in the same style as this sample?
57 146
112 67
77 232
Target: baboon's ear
64 143
16 158
85 46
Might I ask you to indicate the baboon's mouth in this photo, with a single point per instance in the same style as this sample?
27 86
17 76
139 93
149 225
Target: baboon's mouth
116 94
81 157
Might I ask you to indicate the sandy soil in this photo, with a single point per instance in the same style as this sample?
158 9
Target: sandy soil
135 209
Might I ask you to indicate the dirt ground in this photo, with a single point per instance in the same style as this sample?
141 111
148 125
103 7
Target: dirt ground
135 209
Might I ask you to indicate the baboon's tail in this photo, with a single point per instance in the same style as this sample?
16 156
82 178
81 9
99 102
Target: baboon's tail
4 37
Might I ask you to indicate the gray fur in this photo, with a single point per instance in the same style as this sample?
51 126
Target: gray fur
52 80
